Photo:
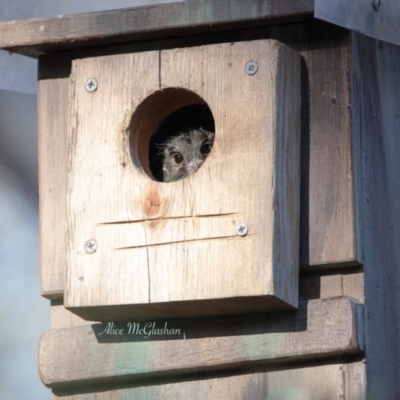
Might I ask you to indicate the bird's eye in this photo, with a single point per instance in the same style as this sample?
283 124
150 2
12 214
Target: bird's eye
205 149
178 158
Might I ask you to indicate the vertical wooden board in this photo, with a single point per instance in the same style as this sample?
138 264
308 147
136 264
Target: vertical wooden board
53 89
323 382
328 222
123 82
376 120
215 73
159 242
355 380
331 223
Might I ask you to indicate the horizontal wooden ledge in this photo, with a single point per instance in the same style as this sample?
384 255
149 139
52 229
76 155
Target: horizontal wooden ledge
38 36
91 354
299 383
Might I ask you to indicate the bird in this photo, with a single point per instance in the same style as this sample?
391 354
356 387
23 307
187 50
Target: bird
181 143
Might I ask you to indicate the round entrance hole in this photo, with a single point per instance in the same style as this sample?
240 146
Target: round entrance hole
171 134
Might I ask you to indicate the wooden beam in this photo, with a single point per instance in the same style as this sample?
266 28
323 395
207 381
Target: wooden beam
38 36
376 120
90 354
312 286
334 381
53 89
377 19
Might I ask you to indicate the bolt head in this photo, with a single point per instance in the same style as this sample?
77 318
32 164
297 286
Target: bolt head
242 229
90 246
251 68
91 85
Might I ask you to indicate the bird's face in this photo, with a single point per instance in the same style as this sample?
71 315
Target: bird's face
185 153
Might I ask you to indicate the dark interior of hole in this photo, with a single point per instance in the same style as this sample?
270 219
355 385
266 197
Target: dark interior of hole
187 118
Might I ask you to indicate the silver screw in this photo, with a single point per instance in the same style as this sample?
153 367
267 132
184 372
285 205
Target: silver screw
251 68
91 85
90 246
242 229
377 4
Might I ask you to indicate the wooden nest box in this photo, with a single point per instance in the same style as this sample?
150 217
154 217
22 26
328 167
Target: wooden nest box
222 240
239 236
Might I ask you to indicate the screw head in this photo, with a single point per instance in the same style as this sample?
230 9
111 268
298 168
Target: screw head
90 246
377 5
242 229
91 85
251 68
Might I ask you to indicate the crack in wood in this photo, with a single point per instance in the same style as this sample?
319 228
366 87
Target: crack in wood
182 241
166 219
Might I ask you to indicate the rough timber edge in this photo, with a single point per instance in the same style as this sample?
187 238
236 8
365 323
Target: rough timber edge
321 329
34 37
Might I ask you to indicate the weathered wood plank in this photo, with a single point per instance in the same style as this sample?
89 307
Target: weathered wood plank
328 225
329 228
88 355
38 36
306 383
169 250
355 383
353 285
53 92
315 286
376 121
311 287
378 19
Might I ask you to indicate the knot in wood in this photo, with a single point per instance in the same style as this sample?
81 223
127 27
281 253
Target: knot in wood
152 201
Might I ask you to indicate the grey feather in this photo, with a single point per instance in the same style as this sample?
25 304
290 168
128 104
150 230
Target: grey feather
183 154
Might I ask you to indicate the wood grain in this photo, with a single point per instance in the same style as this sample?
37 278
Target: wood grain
311 287
174 246
297 383
329 229
62 318
86 355
35 37
355 382
362 16
376 121
323 286
53 98
329 226
328 219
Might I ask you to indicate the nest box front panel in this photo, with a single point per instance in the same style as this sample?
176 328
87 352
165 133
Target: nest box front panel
224 239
